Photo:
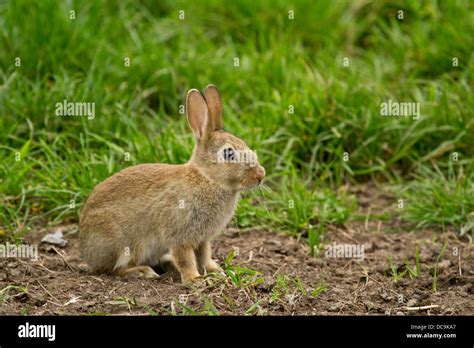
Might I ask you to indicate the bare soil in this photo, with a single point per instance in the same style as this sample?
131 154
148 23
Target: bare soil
289 280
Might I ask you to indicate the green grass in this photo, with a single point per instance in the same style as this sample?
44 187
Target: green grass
18 292
240 276
414 272
296 206
50 164
319 289
207 308
441 199
436 268
395 273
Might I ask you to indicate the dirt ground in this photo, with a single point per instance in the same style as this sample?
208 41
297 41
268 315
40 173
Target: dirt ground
287 281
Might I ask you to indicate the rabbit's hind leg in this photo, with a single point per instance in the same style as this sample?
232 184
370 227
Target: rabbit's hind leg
142 271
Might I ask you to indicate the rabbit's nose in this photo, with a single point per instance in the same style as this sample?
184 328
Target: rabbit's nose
260 174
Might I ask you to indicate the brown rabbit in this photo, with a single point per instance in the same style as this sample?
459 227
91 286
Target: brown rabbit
151 212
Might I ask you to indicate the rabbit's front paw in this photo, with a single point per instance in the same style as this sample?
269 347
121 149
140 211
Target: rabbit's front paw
212 267
189 278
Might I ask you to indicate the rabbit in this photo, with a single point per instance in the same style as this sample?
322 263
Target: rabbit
151 213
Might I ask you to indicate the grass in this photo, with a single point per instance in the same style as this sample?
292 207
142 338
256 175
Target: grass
435 270
208 308
125 301
398 272
414 272
439 199
240 276
19 294
319 289
314 122
395 273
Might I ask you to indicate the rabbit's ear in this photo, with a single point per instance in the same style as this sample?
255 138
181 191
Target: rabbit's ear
198 112
214 102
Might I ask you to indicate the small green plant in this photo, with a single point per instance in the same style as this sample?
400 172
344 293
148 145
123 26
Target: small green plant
314 239
280 289
240 276
319 289
5 292
208 308
26 309
254 308
435 273
414 272
125 301
185 310
394 273
149 310
300 286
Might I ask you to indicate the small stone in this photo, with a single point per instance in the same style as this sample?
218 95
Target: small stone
386 297
55 238
15 272
444 264
412 303
399 313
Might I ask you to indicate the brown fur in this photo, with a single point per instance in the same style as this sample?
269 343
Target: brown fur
147 212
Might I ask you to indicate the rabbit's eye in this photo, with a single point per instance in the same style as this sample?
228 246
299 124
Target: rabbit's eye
229 154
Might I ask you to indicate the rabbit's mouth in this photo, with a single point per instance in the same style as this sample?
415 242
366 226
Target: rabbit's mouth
249 184
255 179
